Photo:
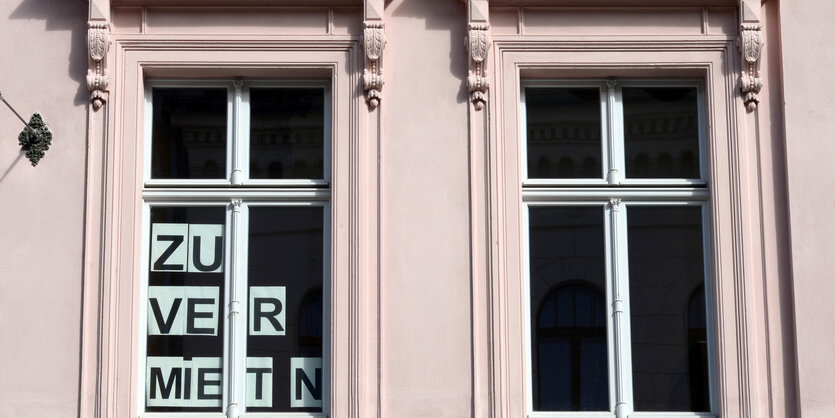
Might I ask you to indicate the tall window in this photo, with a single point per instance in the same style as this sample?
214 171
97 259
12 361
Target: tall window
236 209
615 196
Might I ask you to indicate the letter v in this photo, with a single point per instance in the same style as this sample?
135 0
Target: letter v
165 326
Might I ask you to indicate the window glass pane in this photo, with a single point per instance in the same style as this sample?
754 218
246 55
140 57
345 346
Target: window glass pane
189 133
185 309
568 310
661 128
284 342
287 132
563 129
666 287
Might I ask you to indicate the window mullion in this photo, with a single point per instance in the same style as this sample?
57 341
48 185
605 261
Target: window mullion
238 133
236 353
614 132
620 315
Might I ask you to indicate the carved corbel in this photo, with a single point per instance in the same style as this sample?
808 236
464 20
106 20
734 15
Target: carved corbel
750 45
98 42
375 41
478 45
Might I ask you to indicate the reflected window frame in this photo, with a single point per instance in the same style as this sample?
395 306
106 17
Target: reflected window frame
615 195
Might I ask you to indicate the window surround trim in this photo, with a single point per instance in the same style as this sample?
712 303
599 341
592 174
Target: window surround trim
114 194
741 356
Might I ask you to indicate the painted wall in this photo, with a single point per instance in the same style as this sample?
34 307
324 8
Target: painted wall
425 337
425 232
807 63
43 66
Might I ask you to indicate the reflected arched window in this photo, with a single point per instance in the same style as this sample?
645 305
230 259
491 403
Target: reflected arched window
641 165
544 164
591 168
689 169
697 350
665 165
565 167
570 359
310 324
211 169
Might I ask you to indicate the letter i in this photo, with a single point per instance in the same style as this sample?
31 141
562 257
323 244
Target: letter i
187 384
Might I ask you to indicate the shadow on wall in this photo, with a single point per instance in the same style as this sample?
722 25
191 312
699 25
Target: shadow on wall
455 22
61 15
11 166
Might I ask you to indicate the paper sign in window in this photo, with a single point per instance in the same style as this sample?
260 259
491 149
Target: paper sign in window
175 381
193 248
305 382
259 381
267 310
183 310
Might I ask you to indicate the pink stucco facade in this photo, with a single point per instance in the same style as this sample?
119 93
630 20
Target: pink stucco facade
427 253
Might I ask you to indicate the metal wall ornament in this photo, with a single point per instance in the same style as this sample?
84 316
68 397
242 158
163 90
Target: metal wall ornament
35 138
750 45
478 45
98 42
372 78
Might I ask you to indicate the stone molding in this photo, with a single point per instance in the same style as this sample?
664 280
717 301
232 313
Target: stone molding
478 46
750 45
98 42
374 41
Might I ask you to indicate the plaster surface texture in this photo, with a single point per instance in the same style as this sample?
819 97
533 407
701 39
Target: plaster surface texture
808 59
426 350
776 246
42 69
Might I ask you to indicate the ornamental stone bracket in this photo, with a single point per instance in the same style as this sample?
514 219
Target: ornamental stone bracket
98 42
478 47
374 42
478 44
750 82
750 46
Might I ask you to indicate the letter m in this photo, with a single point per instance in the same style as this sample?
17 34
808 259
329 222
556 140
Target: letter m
174 382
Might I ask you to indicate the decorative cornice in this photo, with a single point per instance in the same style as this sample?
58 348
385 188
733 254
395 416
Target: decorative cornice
372 78
750 45
98 42
478 45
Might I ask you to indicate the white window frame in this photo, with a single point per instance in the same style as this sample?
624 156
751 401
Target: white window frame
614 195
237 131
236 199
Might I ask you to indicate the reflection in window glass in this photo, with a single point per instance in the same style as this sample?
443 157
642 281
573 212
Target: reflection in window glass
189 133
185 310
661 129
563 132
284 343
666 268
568 315
287 133
697 350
